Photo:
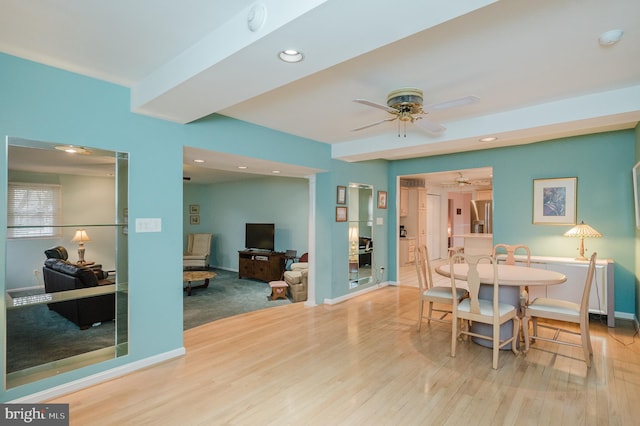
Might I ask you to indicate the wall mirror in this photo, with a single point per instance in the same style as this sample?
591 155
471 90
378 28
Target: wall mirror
361 247
66 264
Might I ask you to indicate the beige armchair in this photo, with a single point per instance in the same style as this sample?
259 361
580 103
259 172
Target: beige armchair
297 279
198 251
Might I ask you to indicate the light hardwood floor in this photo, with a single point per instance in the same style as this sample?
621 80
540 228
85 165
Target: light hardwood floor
362 362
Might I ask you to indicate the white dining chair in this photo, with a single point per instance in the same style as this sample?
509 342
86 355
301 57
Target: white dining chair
440 295
486 311
511 251
562 310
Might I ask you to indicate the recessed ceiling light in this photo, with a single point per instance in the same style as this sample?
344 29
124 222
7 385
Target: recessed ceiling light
610 37
198 161
291 56
71 149
488 139
242 167
275 172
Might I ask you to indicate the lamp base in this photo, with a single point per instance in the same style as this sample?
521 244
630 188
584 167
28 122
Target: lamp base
81 255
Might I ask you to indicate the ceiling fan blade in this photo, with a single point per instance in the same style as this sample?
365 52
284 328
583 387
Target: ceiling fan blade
467 100
374 124
376 105
430 126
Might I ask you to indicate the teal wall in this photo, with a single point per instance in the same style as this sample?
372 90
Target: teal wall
226 207
372 173
43 103
47 104
602 164
637 248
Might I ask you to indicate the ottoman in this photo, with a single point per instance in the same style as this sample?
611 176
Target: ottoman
278 289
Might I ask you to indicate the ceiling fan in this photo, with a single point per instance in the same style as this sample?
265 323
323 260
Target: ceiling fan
406 106
462 181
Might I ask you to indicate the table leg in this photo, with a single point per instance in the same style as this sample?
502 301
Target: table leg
190 287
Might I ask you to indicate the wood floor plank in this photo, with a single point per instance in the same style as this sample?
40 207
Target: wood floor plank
363 362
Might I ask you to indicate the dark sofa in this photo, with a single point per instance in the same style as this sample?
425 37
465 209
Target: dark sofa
60 275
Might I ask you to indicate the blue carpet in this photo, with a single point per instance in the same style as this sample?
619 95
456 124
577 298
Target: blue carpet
226 296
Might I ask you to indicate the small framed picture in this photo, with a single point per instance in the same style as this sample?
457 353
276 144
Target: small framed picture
341 195
382 199
194 208
554 201
341 214
194 219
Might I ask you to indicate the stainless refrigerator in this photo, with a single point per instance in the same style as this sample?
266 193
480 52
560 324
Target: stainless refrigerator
481 217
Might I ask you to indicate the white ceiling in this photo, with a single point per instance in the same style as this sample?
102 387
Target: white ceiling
537 66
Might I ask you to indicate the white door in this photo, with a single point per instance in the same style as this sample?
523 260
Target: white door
433 226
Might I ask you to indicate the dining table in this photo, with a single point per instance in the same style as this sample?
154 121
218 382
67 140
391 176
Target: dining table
510 279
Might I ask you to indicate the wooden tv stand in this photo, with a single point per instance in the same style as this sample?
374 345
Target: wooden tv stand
261 265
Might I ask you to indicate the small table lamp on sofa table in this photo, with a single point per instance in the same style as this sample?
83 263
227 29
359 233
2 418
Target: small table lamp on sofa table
81 237
582 231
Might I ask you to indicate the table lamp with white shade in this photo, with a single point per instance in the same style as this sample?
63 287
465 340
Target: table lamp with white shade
582 231
80 237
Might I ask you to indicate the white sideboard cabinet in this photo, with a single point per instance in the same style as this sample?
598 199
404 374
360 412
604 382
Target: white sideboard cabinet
601 298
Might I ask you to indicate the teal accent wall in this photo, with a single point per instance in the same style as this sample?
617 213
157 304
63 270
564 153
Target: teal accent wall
637 247
225 208
602 164
47 104
371 173
44 103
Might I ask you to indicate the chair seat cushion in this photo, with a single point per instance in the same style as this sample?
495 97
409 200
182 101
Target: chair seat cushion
486 307
546 306
443 292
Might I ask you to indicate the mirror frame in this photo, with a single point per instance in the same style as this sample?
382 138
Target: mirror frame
360 215
17 298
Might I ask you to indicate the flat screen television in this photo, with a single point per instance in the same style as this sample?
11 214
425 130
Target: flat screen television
259 236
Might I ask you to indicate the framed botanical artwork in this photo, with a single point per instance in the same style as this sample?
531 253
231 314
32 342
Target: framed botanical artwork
382 199
341 197
194 208
636 187
341 214
555 201
194 219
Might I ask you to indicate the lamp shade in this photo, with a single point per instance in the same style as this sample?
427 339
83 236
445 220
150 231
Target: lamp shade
582 230
80 236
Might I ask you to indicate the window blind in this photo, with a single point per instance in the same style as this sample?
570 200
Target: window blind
33 210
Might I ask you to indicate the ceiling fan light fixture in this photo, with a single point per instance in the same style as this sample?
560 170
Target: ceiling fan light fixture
291 56
408 100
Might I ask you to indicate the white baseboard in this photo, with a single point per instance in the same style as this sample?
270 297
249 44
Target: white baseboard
356 293
625 315
103 376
